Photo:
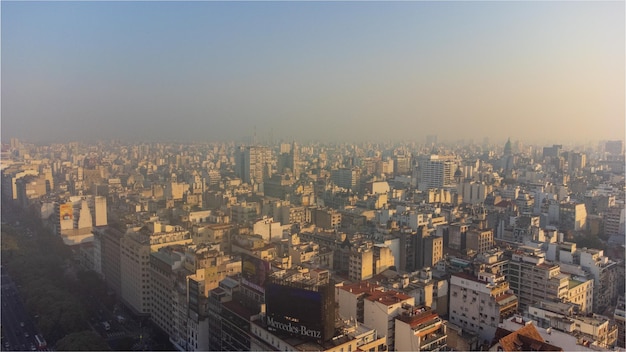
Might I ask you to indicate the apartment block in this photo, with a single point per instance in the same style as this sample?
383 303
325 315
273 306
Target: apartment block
605 274
351 299
380 312
420 329
479 303
436 171
135 248
591 328
479 241
533 279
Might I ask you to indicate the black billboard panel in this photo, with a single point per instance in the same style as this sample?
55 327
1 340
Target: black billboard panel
295 311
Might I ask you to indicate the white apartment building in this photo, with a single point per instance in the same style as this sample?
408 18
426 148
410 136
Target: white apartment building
479 303
532 278
420 329
591 328
135 248
436 171
351 299
605 276
380 312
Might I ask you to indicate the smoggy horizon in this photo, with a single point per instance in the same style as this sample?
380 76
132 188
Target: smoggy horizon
541 72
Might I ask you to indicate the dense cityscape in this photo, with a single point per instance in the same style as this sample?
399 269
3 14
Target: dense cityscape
341 176
280 245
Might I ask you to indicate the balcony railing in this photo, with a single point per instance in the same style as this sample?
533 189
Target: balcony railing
433 342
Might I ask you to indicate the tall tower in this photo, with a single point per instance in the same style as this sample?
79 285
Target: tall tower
252 163
295 160
508 161
507 147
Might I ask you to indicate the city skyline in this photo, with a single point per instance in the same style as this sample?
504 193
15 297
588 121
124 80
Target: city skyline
349 71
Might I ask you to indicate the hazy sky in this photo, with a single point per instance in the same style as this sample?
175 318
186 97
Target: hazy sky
206 71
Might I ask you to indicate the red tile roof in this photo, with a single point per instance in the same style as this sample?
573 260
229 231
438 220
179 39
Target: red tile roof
525 338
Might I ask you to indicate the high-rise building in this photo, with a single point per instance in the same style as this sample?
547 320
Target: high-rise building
419 249
253 163
480 240
436 171
614 219
508 159
347 178
109 240
479 303
614 147
99 211
361 265
553 152
563 316
350 298
431 140
605 275
163 266
420 329
573 216
577 161
533 279
295 160
135 248
401 164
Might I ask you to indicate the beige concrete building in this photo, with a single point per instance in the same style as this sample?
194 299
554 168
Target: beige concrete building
163 266
351 298
593 329
327 218
479 303
211 233
479 241
420 329
244 213
433 251
361 266
533 279
580 292
380 310
135 248
605 276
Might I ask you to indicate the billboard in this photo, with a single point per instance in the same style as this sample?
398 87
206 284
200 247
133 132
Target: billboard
66 211
254 272
298 312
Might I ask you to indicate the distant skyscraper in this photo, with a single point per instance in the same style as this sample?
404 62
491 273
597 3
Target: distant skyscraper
347 178
614 147
402 164
100 211
252 162
436 171
508 160
295 160
553 151
577 161
15 143
431 140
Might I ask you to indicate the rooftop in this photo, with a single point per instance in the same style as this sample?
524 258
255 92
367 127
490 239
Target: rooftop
388 297
361 287
526 338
